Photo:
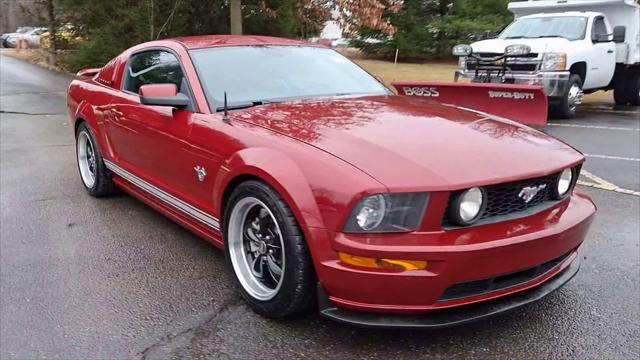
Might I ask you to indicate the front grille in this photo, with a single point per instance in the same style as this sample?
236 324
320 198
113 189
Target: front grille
482 55
504 201
511 67
501 282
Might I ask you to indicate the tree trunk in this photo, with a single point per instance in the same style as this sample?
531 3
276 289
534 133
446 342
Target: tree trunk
53 28
235 15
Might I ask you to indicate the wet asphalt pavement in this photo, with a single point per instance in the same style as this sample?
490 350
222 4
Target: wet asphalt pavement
111 278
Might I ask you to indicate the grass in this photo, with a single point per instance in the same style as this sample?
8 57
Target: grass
389 72
409 72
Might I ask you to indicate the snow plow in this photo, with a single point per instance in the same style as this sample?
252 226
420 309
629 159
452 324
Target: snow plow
526 104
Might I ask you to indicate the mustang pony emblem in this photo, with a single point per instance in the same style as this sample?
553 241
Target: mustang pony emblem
202 173
528 193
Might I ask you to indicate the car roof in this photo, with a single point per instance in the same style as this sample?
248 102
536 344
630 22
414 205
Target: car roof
208 41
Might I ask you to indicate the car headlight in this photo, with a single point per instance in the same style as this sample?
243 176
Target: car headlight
467 206
564 183
387 213
554 61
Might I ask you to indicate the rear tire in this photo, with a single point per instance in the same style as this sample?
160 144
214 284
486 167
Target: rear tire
94 174
627 90
267 252
633 88
572 98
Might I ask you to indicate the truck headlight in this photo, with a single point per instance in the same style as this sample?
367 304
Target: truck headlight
517 49
554 61
383 213
462 50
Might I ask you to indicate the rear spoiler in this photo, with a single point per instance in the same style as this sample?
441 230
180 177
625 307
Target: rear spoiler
86 73
526 104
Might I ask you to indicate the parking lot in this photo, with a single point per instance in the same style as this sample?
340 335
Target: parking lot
112 278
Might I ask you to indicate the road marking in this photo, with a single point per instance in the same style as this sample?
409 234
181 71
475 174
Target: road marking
600 183
594 127
612 157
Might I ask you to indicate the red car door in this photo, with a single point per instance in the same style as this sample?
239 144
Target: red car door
151 142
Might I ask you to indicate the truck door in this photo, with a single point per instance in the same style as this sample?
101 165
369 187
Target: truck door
602 62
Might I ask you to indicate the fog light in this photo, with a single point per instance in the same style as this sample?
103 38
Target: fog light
392 264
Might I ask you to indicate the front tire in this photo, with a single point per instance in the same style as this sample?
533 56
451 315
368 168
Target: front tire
267 252
572 98
94 174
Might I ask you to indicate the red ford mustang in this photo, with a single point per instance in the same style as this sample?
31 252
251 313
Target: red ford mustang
325 188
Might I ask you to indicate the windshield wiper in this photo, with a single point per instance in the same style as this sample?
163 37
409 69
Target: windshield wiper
548 36
245 105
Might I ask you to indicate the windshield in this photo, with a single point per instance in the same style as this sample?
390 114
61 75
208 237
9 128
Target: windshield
261 74
568 27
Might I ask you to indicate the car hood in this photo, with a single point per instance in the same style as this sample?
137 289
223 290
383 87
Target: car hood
416 144
538 46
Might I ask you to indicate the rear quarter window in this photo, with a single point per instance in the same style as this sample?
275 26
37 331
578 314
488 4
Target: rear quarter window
107 74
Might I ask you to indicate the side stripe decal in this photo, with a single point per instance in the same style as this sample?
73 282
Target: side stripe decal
164 196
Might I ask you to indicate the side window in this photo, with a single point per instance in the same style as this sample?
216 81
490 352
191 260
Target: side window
599 28
154 67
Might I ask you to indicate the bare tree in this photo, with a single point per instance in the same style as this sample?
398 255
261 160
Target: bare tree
53 29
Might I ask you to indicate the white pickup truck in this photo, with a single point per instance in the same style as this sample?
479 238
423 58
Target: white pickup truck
570 47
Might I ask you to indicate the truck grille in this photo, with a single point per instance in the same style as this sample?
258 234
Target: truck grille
492 61
504 202
513 67
501 282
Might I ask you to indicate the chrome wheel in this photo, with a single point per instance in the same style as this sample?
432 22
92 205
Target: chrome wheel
256 248
86 159
574 97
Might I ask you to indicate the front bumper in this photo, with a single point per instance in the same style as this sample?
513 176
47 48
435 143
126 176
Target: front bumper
455 257
447 318
554 83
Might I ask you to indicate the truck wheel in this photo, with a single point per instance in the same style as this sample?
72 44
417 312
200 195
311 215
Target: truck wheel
566 108
633 88
620 95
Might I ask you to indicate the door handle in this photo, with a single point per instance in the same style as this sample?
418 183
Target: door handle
609 51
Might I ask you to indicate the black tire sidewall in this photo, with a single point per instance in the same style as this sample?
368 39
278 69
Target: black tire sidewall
293 295
633 88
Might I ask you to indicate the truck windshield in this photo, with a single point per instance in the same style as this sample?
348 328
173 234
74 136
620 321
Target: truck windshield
568 27
262 74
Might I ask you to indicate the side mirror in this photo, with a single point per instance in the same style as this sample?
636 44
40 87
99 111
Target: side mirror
162 95
619 34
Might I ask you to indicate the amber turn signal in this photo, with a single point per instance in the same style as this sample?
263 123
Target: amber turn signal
391 264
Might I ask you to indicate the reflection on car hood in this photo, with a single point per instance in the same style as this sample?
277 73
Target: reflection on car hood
410 143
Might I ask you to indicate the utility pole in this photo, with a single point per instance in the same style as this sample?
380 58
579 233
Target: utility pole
235 16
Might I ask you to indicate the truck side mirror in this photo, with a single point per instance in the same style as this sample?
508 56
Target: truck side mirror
619 33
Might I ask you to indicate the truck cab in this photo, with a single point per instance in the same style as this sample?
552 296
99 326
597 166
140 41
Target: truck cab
566 51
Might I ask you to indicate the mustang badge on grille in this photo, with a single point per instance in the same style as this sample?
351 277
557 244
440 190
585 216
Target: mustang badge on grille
528 193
